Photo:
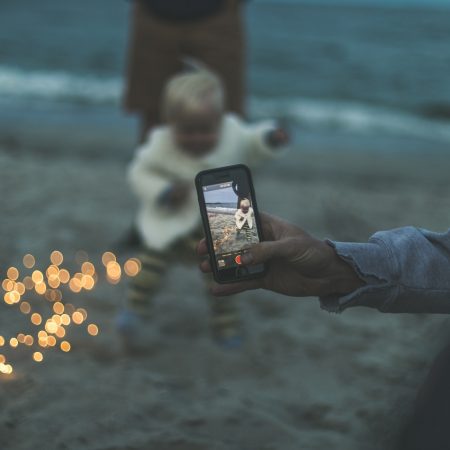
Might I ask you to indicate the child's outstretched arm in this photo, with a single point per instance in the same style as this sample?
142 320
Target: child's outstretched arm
265 140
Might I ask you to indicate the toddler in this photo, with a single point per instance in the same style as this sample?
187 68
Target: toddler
244 219
198 135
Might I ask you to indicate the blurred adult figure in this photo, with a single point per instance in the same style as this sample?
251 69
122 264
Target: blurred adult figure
164 33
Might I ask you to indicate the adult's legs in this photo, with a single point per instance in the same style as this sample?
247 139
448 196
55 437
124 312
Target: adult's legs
219 42
153 57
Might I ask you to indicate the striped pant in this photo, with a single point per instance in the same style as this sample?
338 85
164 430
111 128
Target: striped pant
145 286
247 231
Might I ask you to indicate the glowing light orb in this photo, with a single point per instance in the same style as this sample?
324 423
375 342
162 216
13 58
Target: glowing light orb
28 282
25 308
56 257
132 267
65 346
12 273
92 329
87 268
38 356
6 368
108 257
36 319
51 327
65 319
64 276
37 276
58 307
77 318
28 261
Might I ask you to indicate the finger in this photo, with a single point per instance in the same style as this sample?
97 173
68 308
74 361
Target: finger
221 290
202 248
266 226
265 251
205 266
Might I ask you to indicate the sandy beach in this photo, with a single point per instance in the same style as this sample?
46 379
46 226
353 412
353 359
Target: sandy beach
225 236
303 379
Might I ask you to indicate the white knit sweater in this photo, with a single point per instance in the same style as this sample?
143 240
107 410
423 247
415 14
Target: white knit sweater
158 164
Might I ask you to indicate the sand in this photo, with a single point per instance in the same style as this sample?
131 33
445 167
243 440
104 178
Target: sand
305 379
226 237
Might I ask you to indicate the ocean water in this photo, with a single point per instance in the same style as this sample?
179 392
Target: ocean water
379 68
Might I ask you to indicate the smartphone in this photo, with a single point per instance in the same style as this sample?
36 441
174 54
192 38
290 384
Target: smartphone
231 221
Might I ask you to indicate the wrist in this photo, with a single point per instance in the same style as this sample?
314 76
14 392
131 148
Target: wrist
341 278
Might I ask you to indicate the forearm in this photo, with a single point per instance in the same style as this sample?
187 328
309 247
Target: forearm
340 278
403 270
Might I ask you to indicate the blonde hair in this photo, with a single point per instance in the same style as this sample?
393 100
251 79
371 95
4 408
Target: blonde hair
190 91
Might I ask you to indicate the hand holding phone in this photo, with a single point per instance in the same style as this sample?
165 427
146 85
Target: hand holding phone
300 265
231 221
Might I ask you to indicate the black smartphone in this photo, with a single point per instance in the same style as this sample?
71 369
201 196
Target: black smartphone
231 221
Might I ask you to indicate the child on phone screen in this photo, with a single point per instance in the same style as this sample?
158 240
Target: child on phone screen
244 219
198 135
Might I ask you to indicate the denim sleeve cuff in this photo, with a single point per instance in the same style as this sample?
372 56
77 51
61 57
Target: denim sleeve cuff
374 264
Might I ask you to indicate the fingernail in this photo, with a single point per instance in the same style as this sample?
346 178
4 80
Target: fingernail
247 258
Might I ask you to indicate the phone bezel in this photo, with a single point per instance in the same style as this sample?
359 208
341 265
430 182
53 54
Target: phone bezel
215 176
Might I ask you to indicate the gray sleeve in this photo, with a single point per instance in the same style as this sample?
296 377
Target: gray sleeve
406 270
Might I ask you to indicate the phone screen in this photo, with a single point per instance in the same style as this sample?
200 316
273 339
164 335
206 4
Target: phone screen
231 220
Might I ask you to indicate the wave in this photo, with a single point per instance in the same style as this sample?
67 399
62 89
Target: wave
353 117
64 87
58 86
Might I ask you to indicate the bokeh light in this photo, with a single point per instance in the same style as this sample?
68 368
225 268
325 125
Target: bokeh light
28 261
12 273
77 318
56 257
132 267
36 319
92 329
37 276
38 356
51 283
108 257
65 346
25 308
58 308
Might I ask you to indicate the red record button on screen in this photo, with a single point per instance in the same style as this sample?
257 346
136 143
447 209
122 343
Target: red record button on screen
238 259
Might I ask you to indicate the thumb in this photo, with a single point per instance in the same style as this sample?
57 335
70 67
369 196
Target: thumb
265 251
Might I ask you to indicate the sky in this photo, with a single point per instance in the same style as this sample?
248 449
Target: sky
220 196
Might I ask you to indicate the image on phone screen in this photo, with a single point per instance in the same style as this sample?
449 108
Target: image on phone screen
231 221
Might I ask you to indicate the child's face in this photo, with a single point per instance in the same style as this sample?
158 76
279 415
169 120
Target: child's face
244 208
197 133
